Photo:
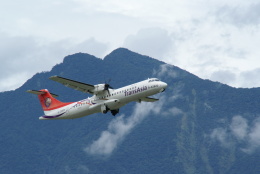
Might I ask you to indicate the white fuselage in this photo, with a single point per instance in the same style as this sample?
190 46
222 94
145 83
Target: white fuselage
112 100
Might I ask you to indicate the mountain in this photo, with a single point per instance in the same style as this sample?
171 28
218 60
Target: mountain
198 126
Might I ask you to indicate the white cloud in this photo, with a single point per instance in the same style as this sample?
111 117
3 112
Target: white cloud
173 112
22 57
239 127
166 70
13 80
119 128
221 135
240 133
249 78
153 42
253 137
223 76
240 15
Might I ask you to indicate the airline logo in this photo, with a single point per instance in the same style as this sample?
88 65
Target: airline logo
47 102
135 91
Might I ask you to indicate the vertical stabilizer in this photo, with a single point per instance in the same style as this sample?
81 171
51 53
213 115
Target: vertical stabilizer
47 100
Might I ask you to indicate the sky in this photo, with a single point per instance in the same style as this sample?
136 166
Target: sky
213 39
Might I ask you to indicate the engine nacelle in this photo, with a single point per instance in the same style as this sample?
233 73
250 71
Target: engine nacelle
99 88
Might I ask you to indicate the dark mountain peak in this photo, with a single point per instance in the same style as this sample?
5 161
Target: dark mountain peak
118 52
123 54
78 57
76 63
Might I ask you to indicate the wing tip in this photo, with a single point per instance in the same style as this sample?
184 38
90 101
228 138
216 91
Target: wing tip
52 77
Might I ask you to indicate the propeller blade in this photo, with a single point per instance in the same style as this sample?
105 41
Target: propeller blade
107 88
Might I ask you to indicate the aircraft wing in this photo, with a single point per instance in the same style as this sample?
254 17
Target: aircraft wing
83 87
148 99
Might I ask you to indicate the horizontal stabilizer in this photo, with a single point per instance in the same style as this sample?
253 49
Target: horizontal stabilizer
40 93
148 99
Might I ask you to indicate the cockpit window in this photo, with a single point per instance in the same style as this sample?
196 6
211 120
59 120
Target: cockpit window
152 80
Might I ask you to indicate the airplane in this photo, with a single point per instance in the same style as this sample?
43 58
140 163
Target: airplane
104 98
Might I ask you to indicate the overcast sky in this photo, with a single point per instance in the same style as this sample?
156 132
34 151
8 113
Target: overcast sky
214 39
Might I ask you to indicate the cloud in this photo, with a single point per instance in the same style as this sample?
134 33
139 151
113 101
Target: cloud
224 76
90 46
208 42
79 169
239 127
253 137
22 57
154 42
119 128
173 112
240 15
249 78
240 133
221 135
166 70
234 77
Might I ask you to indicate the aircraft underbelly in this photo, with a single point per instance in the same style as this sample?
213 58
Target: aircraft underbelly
81 112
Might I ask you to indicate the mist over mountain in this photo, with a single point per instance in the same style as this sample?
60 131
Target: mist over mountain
197 126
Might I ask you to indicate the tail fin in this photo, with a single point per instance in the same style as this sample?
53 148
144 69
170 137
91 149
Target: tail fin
47 100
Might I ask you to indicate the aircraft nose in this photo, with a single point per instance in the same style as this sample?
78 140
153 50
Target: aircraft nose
164 85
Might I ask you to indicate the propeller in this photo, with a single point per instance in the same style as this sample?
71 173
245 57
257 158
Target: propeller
108 86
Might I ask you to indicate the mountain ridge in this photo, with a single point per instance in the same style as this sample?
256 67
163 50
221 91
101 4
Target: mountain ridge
184 137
